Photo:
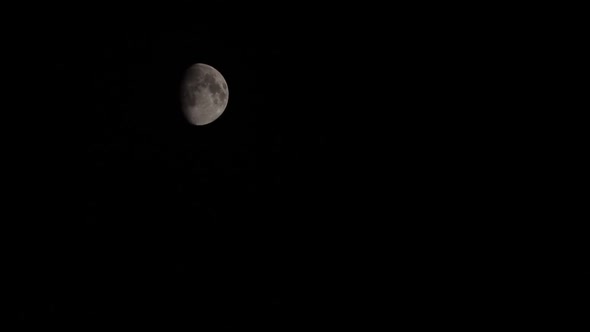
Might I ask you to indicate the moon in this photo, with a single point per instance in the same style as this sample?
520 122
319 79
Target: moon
204 94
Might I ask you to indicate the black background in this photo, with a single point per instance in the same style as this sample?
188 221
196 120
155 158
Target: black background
339 171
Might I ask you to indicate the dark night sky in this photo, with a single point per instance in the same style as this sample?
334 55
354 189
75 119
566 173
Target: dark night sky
153 219
333 134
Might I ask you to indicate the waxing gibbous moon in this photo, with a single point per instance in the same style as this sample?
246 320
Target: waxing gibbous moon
204 94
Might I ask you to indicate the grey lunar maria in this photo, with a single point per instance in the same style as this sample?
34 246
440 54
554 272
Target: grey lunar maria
204 94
